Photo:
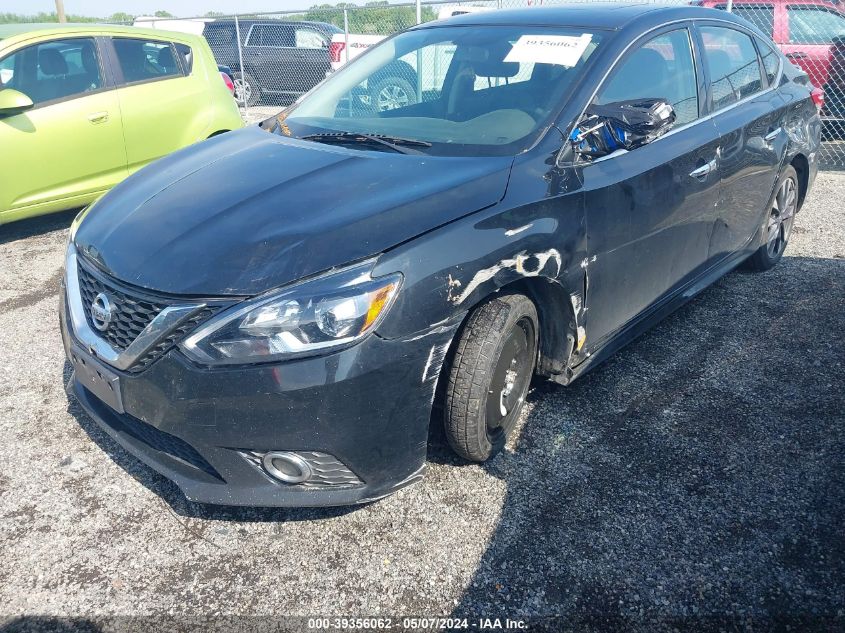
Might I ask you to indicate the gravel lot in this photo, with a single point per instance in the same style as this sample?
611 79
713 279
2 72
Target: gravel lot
696 476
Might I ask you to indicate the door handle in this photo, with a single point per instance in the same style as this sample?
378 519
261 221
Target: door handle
98 117
796 55
771 136
705 169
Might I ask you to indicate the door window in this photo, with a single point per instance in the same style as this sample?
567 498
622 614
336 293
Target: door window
275 35
145 60
308 38
760 15
59 69
814 25
734 67
661 68
770 58
254 37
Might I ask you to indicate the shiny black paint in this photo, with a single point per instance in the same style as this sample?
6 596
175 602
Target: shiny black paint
605 250
249 211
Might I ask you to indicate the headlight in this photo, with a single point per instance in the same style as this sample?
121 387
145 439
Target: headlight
331 311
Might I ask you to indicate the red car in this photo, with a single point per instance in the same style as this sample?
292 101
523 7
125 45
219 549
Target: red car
812 35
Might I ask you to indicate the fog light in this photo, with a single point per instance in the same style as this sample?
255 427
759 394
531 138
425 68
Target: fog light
287 467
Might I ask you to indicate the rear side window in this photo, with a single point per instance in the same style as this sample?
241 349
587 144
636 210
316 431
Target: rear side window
219 34
814 25
771 60
661 68
187 57
734 67
55 70
760 15
144 60
309 38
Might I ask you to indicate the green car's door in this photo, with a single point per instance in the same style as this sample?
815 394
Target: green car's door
164 103
68 148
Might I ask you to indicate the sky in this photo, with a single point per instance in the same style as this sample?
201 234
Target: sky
183 8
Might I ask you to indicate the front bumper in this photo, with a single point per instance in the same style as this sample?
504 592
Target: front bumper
367 406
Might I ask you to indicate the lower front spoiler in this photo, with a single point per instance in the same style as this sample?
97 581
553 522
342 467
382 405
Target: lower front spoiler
209 487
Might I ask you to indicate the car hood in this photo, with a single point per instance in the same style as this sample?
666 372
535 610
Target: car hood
249 210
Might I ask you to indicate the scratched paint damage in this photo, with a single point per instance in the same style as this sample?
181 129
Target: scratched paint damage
523 263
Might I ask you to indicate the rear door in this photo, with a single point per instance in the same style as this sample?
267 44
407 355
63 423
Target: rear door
70 145
310 59
749 116
811 30
269 55
650 210
164 106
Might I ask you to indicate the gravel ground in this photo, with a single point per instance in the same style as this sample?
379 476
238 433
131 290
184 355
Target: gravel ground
695 477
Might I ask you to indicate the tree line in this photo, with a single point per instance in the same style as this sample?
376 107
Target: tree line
376 17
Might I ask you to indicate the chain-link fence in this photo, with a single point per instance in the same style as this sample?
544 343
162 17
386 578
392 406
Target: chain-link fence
274 58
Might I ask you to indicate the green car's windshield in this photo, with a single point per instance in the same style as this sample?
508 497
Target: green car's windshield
447 90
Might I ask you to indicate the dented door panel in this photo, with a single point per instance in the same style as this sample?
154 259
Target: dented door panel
648 225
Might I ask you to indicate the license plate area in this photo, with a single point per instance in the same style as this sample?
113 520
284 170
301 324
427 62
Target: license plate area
96 378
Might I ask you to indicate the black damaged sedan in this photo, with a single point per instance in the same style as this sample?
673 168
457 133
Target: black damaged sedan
275 316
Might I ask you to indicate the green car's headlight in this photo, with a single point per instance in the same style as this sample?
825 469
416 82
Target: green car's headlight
334 310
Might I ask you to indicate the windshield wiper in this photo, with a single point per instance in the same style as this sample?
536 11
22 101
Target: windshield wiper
396 143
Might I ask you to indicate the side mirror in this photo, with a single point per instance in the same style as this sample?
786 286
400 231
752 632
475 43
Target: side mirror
13 102
621 125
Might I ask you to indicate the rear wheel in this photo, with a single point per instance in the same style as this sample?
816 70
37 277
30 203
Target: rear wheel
778 222
247 92
490 375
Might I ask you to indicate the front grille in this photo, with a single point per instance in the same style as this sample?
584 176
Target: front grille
160 349
130 314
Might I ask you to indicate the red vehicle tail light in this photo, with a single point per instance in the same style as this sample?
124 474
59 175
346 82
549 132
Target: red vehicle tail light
228 81
335 49
817 95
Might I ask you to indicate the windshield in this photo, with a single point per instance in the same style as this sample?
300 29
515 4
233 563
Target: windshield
449 90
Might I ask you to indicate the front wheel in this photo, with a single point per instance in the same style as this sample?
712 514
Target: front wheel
490 375
777 225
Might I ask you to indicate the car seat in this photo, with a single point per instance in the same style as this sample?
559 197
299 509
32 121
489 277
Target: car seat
54 81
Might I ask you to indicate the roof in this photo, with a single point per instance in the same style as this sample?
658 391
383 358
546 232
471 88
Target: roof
271 21
604 16
54 28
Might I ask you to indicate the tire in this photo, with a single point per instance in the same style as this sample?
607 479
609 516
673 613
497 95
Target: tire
391 93
253 92
489 376
778 222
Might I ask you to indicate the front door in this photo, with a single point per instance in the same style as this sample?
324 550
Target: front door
649 210
69 146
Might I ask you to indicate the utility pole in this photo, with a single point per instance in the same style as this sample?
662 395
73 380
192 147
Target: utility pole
60 10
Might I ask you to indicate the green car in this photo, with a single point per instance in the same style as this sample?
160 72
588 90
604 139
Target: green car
84 106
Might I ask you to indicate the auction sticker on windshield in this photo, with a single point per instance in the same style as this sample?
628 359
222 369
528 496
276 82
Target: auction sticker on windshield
563 50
